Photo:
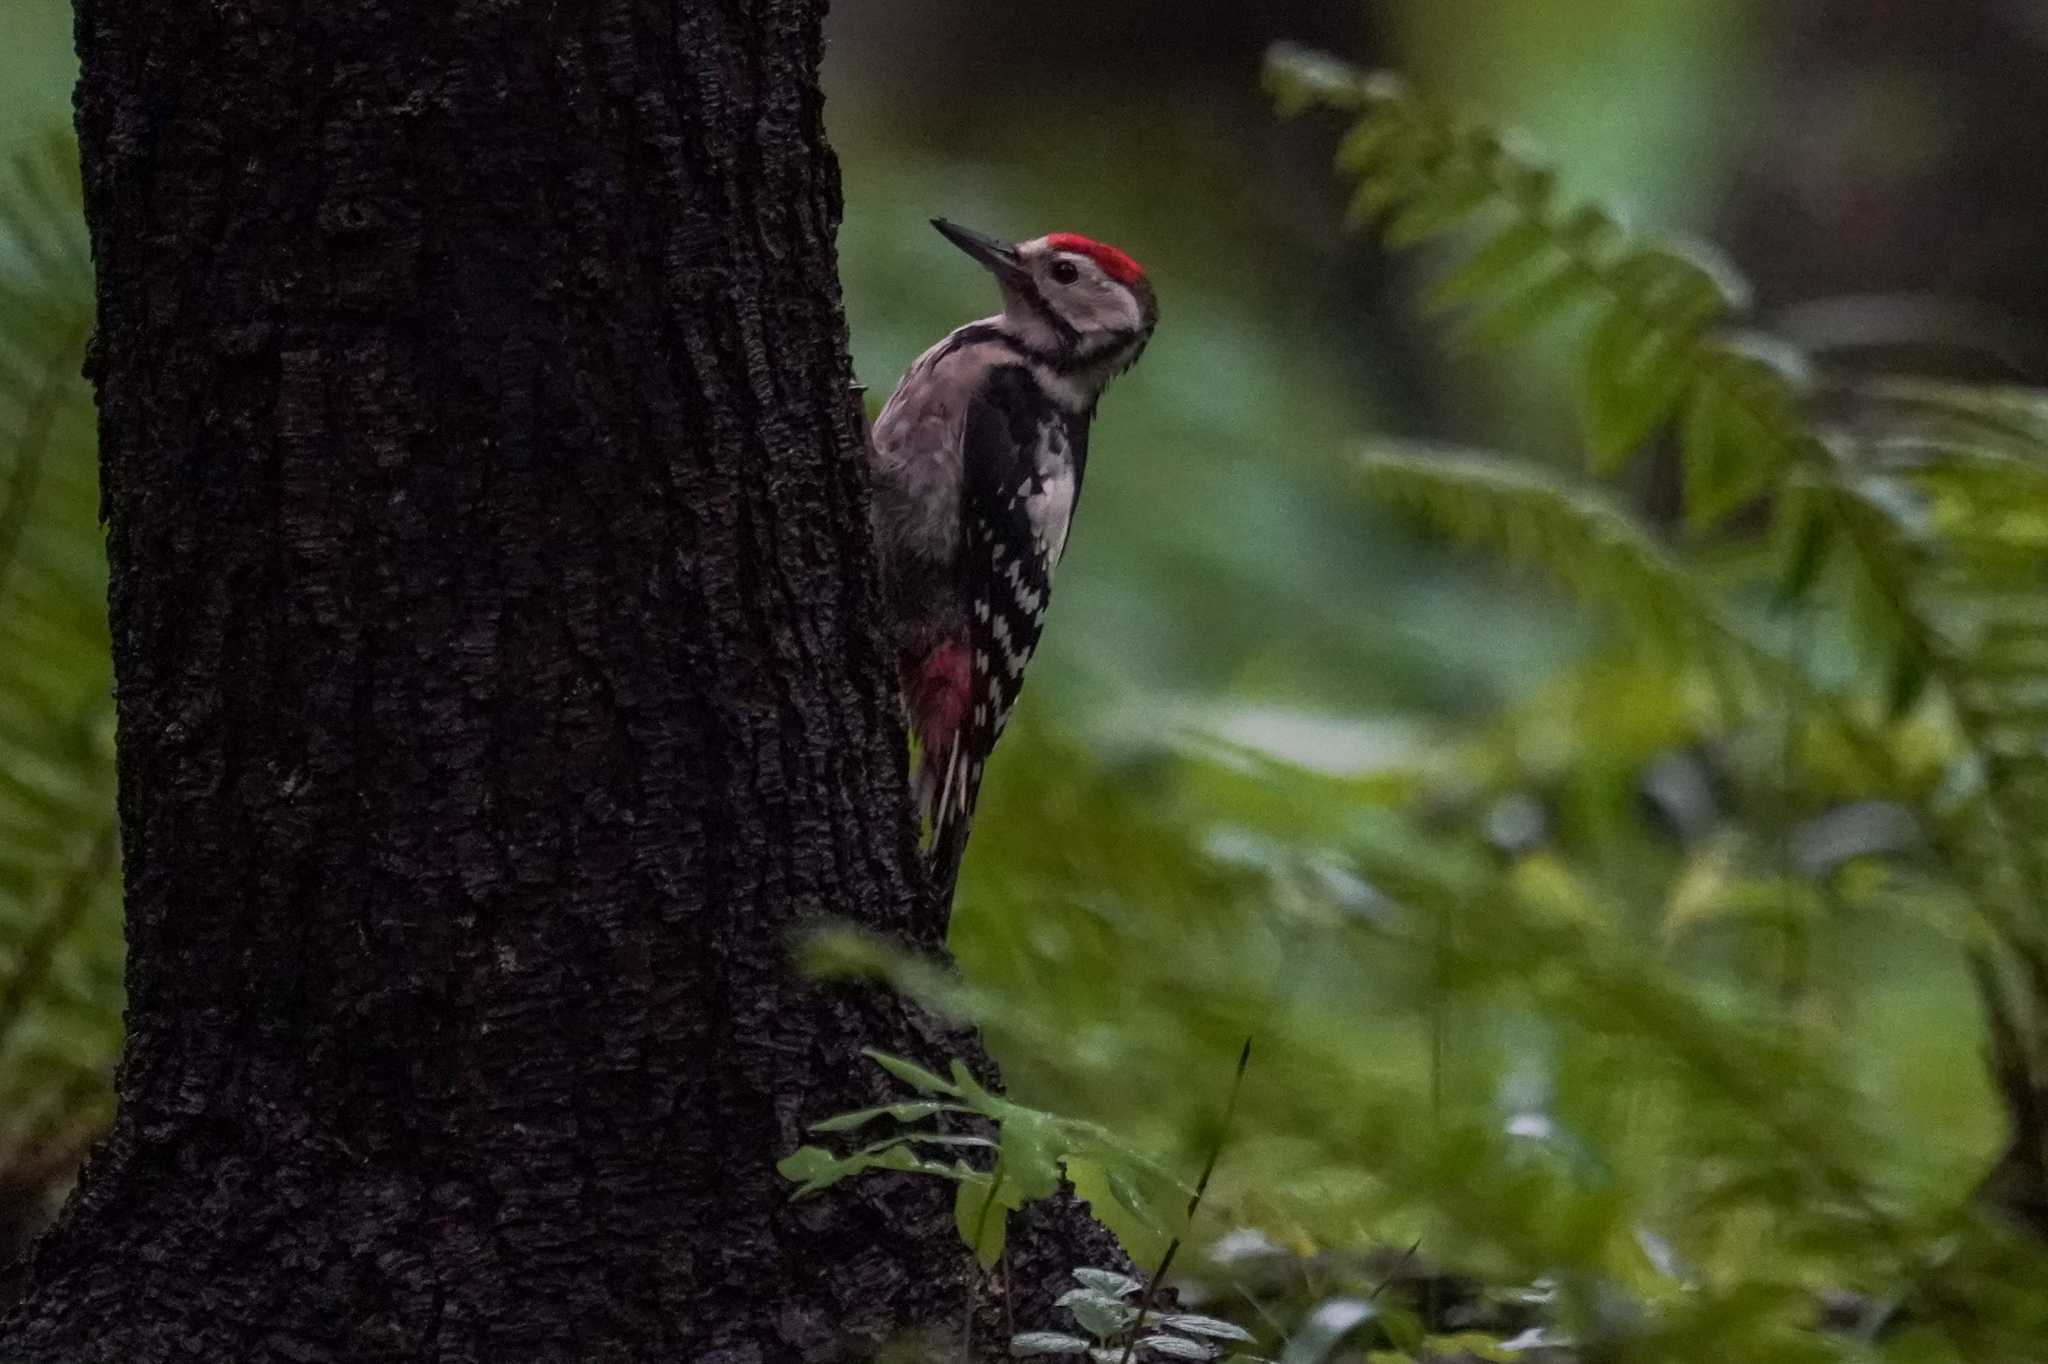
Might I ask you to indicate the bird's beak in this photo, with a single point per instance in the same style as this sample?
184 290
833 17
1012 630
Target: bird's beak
999 257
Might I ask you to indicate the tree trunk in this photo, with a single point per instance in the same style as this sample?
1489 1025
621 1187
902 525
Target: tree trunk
499 687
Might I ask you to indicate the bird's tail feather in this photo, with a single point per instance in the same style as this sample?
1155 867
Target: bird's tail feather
945 792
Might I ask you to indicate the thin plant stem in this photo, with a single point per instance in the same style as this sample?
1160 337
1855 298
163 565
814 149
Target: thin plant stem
1244 1058
995 1182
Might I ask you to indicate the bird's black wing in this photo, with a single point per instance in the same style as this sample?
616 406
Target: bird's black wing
1021 466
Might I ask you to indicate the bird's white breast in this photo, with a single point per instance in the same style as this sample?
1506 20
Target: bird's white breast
1050 503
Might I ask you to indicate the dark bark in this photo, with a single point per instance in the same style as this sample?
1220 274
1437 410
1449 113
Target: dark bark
498 690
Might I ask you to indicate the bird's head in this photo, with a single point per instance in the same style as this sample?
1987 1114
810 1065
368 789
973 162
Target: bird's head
1083 308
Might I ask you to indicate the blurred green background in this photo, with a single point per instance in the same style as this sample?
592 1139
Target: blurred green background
1256 684
1266 708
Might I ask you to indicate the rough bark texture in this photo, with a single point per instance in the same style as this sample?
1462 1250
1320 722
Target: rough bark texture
498 689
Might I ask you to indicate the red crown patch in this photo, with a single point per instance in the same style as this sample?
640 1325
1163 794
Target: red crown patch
1114 263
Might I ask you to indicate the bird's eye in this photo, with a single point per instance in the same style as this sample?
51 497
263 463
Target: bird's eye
1063 272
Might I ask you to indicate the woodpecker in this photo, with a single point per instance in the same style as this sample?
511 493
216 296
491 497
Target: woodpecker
977 460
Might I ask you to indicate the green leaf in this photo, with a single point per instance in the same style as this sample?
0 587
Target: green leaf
1109 1281
1597 551
1326 1327
1906 683
1194 1324
1805 535
910 1073
981 1214
813 1167
1532 308
940 1139
60 902
1503 261
818 1169
1362 148
1589 231
1131 1197
903 1113
1433 214
1100 1314
1031 1152
1178 1347
1632 376
1300 78
1716 449
970 1089
1028 1343
1403 1329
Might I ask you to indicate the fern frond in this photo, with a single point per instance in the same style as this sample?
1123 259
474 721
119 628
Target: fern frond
1956 540
1935 490
1658 344
1599 553
2002 418
1576 536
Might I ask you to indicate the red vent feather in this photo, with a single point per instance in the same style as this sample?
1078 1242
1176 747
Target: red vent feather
1114 263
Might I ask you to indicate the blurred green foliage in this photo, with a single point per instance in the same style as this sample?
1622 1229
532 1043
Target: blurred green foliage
1658 1004
60 942
36 71
1618 945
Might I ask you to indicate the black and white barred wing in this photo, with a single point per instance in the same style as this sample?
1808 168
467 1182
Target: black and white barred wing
1021 476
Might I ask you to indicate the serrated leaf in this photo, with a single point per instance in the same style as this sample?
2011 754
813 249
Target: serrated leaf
1435 213
1100 1314
1372 198
818 1169
813 1167
1194 1323
910 1073
904 1113
1178 1347
1028 1343
1109 1281
893 1156
970 1089
1810 535
1530 309
1596 550
1498 264
1361 148
1727 457
1674 293
1631 377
